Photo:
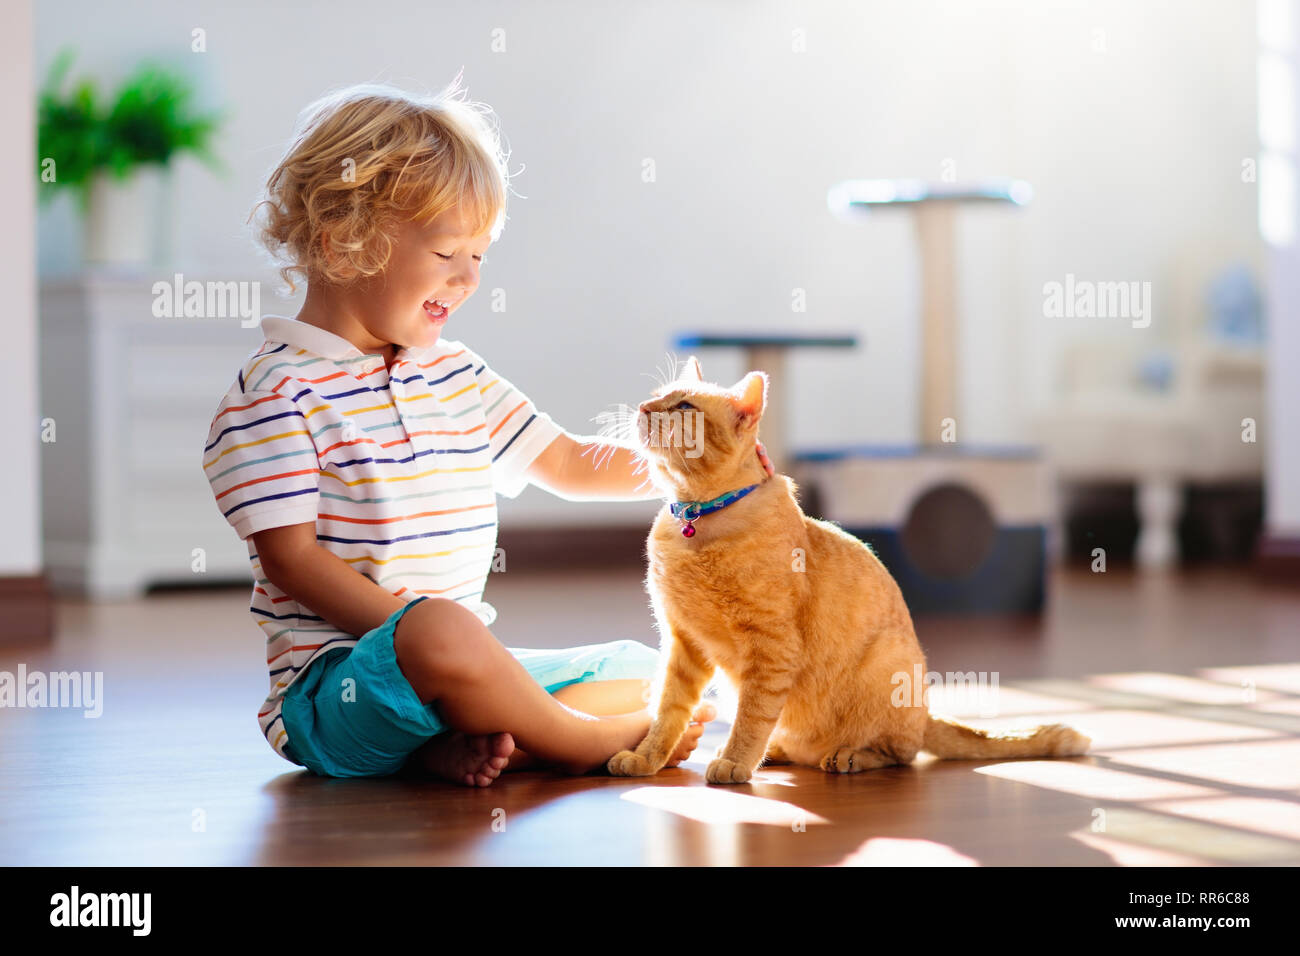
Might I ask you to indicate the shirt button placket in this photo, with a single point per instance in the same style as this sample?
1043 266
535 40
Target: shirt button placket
397 388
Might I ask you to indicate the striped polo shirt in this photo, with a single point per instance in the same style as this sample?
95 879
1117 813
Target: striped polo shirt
399 469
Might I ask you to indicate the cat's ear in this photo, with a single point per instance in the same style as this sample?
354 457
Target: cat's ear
691 372
752 392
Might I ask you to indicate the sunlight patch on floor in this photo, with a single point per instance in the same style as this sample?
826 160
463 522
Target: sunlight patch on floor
1136 728
1290 706
968 701
1268 764
1173 834
1283 677
1090 780
1175 687
882 851
1133 854
1260 814
709 805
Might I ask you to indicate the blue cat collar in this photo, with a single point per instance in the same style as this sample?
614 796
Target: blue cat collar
689 511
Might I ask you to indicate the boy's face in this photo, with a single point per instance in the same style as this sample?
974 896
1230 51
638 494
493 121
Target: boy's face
436 261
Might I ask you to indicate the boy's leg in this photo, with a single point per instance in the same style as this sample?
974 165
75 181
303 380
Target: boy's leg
610 697
450 657
600 698
605 698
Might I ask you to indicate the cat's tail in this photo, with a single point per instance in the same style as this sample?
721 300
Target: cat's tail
953 741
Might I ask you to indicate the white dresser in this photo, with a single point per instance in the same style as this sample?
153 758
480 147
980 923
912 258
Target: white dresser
125 503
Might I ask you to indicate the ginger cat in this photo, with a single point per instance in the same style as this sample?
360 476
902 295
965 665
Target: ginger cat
811 639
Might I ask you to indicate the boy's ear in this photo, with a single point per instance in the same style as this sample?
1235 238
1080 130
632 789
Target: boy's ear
692 373
752 399
327 247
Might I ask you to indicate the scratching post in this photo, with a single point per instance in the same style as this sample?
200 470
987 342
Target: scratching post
934 210
935 222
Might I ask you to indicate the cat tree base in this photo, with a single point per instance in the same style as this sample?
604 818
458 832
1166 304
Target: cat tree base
960 530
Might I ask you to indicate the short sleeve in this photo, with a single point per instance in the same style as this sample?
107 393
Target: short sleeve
517 431
261 462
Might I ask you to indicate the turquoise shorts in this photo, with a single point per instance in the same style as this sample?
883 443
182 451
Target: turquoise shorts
370 727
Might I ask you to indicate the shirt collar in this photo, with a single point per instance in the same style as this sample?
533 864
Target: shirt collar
327 345
316 340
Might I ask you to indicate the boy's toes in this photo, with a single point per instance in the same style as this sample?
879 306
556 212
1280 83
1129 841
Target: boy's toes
499 748
705 712
694 730
472 761
484 757
686 746
492 753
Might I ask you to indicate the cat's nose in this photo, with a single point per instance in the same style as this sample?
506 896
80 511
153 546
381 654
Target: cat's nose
643 407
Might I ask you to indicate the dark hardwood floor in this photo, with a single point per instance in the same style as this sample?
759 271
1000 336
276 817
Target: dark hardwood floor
1188 683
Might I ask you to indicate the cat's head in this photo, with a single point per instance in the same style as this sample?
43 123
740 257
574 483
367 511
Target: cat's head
698 437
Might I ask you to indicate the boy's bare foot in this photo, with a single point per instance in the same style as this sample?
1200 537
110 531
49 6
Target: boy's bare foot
474 761
520 760
694 730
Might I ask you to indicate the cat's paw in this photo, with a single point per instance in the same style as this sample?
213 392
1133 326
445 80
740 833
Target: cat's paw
625 763
723 770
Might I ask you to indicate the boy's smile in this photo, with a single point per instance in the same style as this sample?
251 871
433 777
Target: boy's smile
430 265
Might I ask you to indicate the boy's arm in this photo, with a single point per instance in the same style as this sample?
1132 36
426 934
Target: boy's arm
292 560
581 470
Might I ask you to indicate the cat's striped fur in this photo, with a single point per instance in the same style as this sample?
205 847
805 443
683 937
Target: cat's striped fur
803 619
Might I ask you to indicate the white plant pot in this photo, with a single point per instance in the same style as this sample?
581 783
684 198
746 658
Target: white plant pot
123 220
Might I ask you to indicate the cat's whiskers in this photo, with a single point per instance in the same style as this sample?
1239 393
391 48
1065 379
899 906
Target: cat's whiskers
616 424
667 377
617 428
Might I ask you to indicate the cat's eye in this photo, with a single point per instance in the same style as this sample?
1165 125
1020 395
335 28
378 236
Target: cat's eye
684 405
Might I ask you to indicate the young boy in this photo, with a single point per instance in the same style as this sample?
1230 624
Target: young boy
360 454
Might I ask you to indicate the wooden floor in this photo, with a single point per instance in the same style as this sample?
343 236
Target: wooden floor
1189 685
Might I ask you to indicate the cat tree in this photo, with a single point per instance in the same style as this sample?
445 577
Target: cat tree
961 528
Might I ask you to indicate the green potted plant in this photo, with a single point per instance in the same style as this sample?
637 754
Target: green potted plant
114 156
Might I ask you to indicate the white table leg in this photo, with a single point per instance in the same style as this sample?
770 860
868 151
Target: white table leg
1059 495
1157 508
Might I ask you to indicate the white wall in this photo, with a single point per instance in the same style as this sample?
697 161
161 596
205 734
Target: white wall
1282 501
1134 146
20 547
1282 477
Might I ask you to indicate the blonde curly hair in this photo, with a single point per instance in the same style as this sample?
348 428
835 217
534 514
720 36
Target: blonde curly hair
367 157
